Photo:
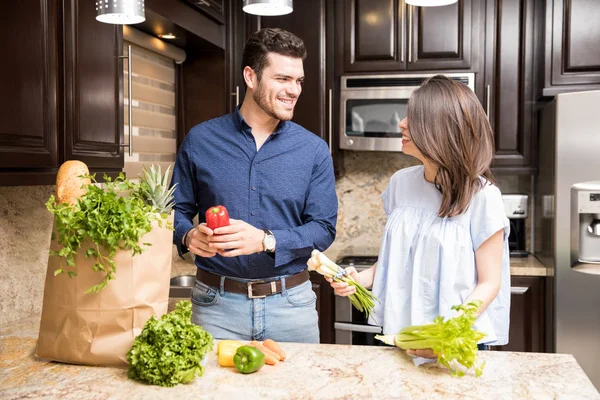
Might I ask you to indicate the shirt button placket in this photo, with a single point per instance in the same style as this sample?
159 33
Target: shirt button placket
253 206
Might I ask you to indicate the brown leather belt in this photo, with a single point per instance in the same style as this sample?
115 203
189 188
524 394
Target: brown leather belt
254 289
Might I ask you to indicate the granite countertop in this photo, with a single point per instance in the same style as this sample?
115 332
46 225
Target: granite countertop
310 372
519 266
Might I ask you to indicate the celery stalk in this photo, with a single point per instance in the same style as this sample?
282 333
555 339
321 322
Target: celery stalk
453 340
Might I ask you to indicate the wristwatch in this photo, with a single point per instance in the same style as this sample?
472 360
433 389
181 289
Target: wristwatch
269 241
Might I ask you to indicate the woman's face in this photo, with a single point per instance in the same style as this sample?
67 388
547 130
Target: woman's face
408 147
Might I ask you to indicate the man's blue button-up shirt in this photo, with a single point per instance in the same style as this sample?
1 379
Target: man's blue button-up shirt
288 187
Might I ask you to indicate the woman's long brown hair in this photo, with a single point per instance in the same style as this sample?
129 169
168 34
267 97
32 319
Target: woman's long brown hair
448 125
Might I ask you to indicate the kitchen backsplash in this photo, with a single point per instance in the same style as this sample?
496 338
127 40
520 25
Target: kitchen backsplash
25 226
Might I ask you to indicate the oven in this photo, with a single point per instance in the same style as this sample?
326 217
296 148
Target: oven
372 106
351 325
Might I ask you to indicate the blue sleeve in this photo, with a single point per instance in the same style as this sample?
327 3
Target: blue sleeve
186 204
487 215
319 217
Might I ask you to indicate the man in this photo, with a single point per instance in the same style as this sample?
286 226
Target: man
276 180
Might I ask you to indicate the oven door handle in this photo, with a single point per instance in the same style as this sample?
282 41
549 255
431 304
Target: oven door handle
342 326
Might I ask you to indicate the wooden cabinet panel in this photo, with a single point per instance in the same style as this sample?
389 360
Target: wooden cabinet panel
213 8
93 88
325 307
236 34
510 82
389 35
527 315
373 35
572 52
28 87
440 37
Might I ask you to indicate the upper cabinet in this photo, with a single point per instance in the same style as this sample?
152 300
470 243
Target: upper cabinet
28 78
213 8
389 35
61 91
572 46
93 88
513 53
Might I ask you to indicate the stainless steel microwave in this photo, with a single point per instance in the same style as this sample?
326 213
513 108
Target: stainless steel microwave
372 106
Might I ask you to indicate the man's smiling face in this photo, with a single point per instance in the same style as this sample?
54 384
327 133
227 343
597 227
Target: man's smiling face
280 86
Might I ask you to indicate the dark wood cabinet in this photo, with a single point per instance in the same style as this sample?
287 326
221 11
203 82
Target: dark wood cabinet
513 50
441 37
212 8
527 315
28 82
93 88
239 26
572 46
325 307
373 35
389 35
62 95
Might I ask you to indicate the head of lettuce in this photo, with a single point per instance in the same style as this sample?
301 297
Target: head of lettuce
169 350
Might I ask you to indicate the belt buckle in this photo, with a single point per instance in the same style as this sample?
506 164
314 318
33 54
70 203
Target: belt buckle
252 296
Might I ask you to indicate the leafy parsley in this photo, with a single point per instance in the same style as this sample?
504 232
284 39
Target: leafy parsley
112 218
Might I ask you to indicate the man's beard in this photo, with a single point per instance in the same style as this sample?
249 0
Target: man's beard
260 98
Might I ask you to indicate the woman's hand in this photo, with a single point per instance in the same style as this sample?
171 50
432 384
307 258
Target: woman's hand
425 353
342 288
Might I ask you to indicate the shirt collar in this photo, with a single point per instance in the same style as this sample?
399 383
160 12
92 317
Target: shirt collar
242 125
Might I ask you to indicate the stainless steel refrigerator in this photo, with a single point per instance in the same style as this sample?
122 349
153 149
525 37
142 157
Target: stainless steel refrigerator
567 223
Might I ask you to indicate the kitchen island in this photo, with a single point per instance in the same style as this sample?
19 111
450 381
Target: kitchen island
310 372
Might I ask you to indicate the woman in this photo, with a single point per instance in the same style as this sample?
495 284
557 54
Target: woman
446 237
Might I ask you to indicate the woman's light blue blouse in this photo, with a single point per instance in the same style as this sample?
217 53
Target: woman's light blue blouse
427 263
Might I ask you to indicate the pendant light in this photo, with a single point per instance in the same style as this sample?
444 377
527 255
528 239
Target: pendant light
120 12
268 7
430 3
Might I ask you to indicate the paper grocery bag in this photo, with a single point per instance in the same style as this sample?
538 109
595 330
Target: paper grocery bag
99 328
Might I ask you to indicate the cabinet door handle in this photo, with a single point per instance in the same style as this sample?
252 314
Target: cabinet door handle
518 289
237 95
342 326
410 34
488 96
402 16
330 120
129 101
203 3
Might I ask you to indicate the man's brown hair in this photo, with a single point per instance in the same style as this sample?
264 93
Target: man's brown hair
448 125
270 40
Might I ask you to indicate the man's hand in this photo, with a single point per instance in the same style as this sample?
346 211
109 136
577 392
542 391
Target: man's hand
198 240
239 238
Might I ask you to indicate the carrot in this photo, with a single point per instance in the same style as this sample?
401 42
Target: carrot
271 358
273 346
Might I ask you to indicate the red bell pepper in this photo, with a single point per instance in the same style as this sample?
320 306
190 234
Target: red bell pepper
216 217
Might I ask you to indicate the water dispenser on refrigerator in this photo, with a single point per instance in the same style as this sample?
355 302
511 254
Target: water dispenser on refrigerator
585 227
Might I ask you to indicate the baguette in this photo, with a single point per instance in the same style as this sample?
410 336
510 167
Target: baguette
70 185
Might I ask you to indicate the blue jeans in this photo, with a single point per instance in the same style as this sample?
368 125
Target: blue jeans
289 316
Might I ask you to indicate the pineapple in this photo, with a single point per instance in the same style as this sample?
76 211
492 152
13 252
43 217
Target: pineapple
155 191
